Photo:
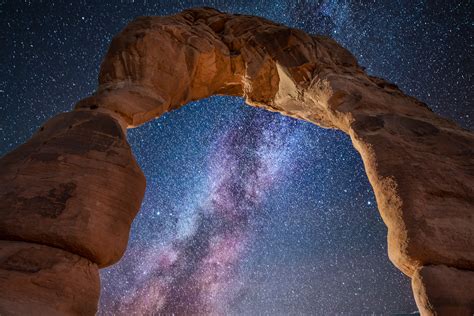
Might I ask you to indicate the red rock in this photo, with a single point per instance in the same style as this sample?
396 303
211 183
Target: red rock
420 165
74 185
79 188
440 290
41 280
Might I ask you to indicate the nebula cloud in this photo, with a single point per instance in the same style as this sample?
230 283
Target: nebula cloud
195 269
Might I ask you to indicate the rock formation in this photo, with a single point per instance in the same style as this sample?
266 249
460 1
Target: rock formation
42 280
67 200
75 185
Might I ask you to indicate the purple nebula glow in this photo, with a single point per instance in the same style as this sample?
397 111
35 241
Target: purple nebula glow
195 269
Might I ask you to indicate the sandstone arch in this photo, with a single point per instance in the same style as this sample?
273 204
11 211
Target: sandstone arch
69 195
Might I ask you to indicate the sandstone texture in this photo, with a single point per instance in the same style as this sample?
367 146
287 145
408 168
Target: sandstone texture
74 185
420 165
41 280
440 290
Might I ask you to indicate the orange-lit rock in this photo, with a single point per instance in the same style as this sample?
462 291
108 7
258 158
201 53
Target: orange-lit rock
420 165
74 185
440 290
41 280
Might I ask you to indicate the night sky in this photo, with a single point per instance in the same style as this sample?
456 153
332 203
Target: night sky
246 212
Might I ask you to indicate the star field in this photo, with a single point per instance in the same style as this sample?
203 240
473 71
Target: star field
246 212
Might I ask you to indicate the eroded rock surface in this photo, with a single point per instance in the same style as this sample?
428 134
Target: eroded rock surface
74 185
46 281
420 165
440 290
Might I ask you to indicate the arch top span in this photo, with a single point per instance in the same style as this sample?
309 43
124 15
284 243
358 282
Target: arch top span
419 164
76 178
157 64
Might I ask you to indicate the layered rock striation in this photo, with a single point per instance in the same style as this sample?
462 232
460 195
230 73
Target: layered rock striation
67 199
75 185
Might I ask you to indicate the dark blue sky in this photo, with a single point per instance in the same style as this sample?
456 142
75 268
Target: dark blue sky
258 213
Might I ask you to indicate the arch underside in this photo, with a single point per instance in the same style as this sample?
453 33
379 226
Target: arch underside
420 165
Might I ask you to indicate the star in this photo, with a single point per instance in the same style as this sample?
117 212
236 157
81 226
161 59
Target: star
246 211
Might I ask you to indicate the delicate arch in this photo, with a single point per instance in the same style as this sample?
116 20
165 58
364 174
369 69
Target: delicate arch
420 165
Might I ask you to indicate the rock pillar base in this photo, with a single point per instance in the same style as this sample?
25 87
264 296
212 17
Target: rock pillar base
441 290
42 280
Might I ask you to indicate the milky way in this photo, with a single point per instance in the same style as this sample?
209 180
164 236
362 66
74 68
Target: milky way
194 269
246 212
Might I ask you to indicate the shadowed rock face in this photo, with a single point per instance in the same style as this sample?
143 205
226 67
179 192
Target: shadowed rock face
420 165
444 291
41 280
74 185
